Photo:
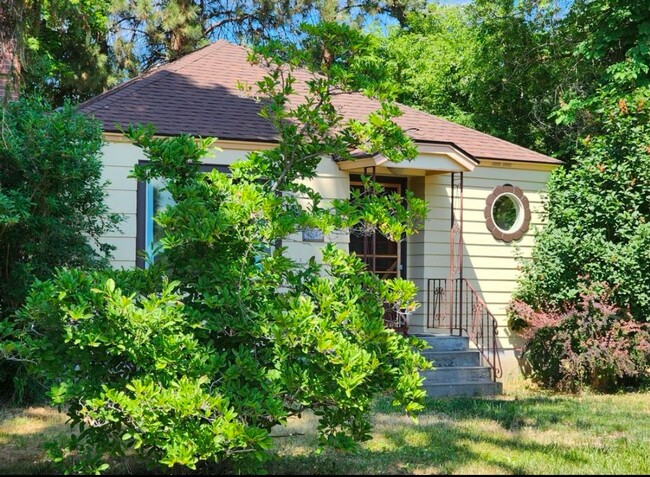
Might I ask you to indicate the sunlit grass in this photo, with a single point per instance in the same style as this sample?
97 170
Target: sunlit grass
22 435
525 431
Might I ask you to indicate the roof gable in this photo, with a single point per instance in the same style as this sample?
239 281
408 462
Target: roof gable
198 95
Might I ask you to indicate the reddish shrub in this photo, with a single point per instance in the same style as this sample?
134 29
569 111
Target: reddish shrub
592 343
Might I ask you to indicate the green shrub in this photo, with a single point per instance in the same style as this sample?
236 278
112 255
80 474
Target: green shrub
597 213
52 210
591 344
197 370
133 372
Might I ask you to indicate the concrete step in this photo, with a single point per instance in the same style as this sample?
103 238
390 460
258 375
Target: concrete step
465 374
445 343
463 389
445 359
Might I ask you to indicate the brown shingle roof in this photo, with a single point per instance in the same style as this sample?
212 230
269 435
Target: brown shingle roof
198 94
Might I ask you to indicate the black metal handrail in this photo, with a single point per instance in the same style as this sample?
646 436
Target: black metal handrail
454 304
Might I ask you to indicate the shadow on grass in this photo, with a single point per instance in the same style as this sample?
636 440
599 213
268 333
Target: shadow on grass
468 435
434 449
23 431
536 434
538 412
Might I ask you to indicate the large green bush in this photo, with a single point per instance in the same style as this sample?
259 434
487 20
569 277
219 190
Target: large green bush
196 370
598 219
52 210
597 238
134 370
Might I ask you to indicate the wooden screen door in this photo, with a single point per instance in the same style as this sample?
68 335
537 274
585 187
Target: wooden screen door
383 256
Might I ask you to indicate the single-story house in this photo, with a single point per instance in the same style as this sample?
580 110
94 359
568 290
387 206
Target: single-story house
483 192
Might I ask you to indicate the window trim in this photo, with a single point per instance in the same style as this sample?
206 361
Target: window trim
523 214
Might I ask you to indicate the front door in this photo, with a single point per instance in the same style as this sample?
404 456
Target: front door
383 256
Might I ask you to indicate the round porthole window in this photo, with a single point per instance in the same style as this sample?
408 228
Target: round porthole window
507 213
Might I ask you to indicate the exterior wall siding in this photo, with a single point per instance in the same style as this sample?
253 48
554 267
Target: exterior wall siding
489 264
119 159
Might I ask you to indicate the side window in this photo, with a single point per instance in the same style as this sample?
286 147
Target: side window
157 200
152 199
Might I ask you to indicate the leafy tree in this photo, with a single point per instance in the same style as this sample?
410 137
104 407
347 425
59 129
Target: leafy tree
51 189
518 67
492 66
198 367
341 51
76 49
66 49
597 234
153 31
610 41
597 213
428 61
530 72
52 211
58 49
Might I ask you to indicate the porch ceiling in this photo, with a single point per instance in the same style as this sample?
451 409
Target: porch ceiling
432 159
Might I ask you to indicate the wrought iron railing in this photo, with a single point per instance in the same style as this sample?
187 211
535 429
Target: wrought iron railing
454 304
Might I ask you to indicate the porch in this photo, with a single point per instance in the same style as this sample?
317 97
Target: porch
453 317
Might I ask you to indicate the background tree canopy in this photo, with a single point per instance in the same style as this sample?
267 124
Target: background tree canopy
531 72
597 232
76 49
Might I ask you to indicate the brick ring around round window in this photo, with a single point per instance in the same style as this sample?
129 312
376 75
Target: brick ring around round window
507 213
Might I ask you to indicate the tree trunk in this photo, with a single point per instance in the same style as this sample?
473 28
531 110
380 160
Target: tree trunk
11 13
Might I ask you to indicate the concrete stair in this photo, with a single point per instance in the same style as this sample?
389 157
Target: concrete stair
459 371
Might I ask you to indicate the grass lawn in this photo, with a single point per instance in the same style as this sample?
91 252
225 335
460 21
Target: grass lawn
522 432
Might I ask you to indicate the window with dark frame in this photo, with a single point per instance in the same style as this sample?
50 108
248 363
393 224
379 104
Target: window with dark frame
151 199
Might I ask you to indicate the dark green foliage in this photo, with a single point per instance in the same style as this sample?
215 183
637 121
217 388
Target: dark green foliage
62 48
597 219
597 237
153 31
51 196
589 344
492 66
52 212
76 49
530 72
609 42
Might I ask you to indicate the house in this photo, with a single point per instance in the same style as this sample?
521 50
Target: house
483 192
